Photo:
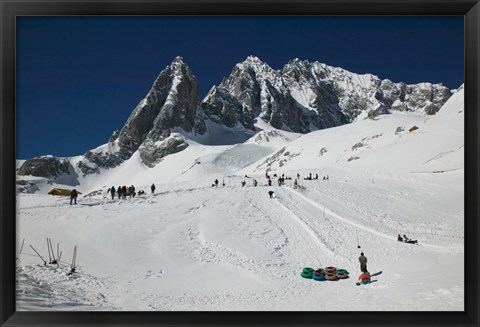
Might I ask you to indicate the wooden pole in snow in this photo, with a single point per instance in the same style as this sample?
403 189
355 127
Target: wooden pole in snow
44 262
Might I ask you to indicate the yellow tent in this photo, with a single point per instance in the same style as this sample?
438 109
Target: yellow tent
61 192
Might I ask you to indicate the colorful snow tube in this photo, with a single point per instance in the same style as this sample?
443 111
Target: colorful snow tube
308 270
320 277
330 270
319 271
306 274
342 271
331 276
341 276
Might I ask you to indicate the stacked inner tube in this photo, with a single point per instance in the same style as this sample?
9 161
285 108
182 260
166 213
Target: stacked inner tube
341 273
307 272
319 274
328 273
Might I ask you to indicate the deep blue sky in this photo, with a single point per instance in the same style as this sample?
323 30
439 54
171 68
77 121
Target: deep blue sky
79 78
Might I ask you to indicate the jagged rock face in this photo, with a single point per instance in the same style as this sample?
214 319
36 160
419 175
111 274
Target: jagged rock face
44 167
152 154
26 187
306 96
87 169
172 102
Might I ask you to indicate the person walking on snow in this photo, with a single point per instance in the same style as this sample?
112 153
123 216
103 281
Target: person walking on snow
152 188
73 196
363 263
112 191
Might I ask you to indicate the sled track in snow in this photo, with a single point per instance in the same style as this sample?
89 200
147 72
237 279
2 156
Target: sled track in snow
349 222
338 217
311 233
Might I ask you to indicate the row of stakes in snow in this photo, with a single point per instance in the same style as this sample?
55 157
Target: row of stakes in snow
329 273
52 260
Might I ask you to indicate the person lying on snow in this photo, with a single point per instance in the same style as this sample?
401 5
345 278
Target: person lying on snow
364 278
408 240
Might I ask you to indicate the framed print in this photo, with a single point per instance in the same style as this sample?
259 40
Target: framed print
239 163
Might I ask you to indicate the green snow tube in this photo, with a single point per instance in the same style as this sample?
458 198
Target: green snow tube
306 274
341 271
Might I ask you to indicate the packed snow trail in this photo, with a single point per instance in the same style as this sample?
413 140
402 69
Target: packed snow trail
330 213
336 216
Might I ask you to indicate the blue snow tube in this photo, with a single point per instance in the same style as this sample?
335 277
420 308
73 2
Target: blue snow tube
320 277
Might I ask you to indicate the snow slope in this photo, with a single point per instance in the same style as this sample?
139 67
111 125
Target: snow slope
190 246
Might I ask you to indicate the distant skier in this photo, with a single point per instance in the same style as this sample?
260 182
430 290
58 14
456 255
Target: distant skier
73 196
363 263
316 176
243 183
255 182
119 192
152 188
269 182
295 182
112 192
216 182
271 194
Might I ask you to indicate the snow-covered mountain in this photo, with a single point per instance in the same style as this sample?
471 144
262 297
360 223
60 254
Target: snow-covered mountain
191 246
304 96
281 105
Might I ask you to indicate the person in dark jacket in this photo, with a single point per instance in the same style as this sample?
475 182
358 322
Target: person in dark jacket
152 188
73 196
271 194
119 192
363 263
112 192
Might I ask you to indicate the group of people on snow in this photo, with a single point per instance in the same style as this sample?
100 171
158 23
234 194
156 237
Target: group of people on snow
215 183
122 191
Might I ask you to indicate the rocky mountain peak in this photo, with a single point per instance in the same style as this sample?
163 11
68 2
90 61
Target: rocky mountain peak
301 97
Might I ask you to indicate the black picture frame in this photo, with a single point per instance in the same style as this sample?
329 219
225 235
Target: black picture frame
9 9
